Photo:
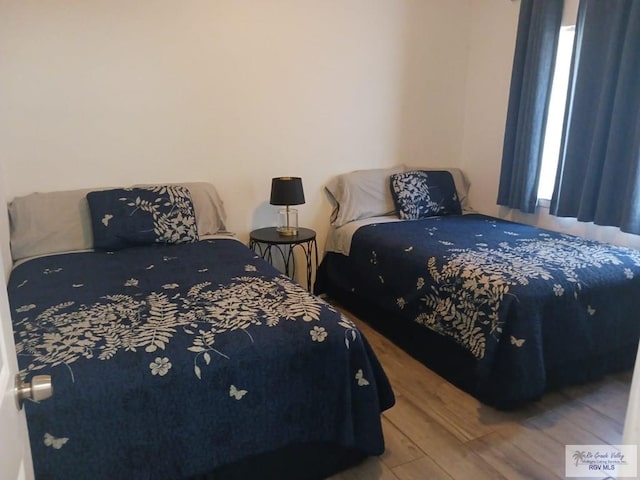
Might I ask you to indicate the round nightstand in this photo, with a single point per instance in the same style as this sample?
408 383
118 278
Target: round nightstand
264 240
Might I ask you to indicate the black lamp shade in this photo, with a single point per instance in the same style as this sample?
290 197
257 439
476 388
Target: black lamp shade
286 191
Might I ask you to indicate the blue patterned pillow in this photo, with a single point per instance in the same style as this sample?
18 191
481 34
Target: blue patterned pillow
420 194
142 216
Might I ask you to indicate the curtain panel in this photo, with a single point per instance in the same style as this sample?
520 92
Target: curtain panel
598 177
533 64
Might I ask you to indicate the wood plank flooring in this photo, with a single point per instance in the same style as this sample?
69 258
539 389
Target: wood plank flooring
436 431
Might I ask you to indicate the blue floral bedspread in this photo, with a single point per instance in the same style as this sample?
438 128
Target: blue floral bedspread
170 361
520 299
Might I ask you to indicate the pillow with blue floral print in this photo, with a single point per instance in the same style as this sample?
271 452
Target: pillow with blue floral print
420 194
127 217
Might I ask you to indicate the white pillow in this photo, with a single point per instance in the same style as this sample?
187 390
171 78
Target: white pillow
361 194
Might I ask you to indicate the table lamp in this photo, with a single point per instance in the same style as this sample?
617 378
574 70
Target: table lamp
287 191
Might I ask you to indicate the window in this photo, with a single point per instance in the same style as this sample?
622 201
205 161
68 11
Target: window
599 155
555 116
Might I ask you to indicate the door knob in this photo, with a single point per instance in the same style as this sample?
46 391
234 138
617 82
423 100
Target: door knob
39 389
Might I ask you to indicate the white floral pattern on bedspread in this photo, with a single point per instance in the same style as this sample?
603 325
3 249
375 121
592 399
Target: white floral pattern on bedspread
469 288
63 333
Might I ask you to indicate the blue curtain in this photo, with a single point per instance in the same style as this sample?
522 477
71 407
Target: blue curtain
533 63
598 176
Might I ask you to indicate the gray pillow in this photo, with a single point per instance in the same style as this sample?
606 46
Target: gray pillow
361 194
42 223
55 222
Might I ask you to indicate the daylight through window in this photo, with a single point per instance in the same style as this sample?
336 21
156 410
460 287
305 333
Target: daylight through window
555 116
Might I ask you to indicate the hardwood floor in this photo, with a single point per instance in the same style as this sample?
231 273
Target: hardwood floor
436 431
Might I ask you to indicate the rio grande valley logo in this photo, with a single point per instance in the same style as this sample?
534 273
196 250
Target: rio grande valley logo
618 461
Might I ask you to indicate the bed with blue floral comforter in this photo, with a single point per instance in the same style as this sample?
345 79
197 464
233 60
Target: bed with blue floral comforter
170 362
505 311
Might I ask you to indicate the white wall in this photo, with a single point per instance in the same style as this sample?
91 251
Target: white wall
492 40
492 35
114 92
5 248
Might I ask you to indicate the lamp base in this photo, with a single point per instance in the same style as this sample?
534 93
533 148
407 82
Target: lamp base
287 222
287 232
